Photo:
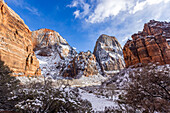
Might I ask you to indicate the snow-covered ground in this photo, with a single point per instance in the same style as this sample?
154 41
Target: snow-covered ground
98 103
81 82
48 64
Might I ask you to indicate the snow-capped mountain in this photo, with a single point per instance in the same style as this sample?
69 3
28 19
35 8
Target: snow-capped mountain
58 59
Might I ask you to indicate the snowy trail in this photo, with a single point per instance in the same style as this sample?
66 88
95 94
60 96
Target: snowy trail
98 104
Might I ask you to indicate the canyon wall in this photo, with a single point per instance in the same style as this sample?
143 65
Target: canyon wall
150 45
16 48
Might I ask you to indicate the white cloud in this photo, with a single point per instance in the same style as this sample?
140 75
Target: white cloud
73 4
140 5
122 18
83 5
108 9
76 13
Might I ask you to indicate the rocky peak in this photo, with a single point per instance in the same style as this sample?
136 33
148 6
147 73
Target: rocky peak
150 45
47 41
46 37
108 53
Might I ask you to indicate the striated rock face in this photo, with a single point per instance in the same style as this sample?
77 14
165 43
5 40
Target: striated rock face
150 45
108 53
46 41
83 64
16 48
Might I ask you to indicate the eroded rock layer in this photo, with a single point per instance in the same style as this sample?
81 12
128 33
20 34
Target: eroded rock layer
16 48
150 45
109 54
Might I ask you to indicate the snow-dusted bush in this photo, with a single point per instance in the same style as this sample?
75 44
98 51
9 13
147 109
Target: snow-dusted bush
148 89
47 99
7 85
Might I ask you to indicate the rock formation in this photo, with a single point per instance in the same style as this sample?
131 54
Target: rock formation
150 45
16 48
108 53
61 60
83 64
55 51
56 56
46 41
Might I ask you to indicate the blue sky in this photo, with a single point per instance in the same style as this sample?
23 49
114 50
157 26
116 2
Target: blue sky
81 22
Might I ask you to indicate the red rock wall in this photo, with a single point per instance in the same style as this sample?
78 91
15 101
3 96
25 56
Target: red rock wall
16 48
150 45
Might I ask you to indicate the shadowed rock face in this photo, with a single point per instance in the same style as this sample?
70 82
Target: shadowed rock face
108 53
16 48
150 45
83 64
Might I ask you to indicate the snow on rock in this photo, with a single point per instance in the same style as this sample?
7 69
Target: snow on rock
53 52
109 54
58 59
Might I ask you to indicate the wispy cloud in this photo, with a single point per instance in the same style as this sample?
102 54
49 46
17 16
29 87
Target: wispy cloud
141 5
33 10
105 9
77 13
83 5
24 5
123 17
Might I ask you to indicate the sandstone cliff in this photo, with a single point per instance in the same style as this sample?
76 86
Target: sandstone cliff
16 48
108 53
150 45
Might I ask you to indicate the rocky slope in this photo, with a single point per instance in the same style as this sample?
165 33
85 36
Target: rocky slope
58 59
53 52
150 45
16 48
108 53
